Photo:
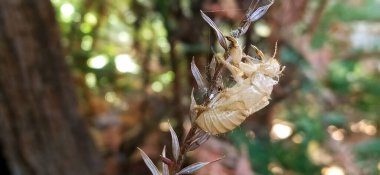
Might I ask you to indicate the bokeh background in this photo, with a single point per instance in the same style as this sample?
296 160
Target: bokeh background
130 62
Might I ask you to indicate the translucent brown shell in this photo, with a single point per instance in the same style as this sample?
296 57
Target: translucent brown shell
254 79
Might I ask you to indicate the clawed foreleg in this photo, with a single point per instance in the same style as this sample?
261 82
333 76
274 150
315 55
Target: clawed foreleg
258 52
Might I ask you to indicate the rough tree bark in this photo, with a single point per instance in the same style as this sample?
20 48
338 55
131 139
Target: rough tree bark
41 131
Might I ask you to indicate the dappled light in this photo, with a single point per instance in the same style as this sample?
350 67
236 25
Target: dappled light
281 130
124 64
333 170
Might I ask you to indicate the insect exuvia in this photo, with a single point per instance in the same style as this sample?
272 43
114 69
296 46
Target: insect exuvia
254 77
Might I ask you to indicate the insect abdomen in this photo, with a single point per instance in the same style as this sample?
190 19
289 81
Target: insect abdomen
218 122
232 107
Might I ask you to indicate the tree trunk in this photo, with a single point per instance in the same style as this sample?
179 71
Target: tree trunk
41 132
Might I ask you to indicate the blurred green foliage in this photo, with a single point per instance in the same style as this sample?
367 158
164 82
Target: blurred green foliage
342 12
368 155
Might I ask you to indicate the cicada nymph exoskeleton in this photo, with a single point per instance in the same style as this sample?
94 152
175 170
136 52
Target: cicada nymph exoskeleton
254 78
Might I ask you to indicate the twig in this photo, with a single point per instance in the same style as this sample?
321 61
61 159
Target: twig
316 18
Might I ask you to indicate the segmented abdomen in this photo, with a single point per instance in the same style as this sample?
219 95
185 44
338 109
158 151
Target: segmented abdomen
218 122
231 108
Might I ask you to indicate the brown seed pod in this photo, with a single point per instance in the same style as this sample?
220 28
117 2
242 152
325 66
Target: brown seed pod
254 78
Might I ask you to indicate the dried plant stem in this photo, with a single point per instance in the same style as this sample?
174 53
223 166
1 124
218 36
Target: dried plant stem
184 148
180 160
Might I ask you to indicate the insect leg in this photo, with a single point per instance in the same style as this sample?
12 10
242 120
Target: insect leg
234 50
234 70
259 53
233 41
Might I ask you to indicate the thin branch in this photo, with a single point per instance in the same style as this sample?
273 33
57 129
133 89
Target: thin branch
316 18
